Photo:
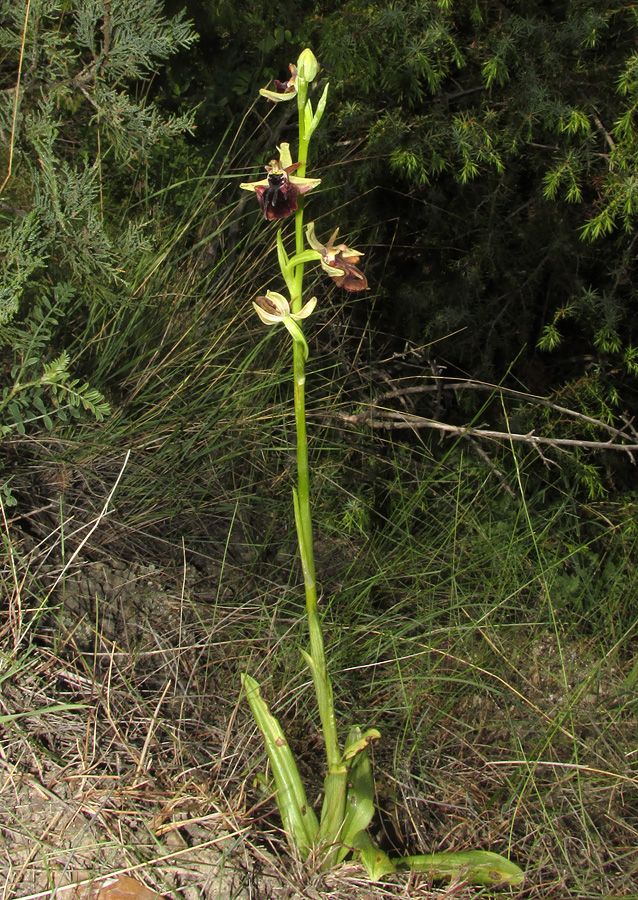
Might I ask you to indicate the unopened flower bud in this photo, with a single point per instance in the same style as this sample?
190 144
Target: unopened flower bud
307 66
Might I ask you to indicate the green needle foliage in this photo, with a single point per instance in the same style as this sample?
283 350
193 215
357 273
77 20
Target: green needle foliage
348 804
494 147
77 130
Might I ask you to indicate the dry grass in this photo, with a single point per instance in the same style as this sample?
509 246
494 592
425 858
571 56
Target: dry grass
125 747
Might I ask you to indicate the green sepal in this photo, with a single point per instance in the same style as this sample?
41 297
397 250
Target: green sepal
285 156
375 861
276 96
473 866
298 817
297 335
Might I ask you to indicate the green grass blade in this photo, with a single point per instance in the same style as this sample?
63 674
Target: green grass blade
45 711
299 820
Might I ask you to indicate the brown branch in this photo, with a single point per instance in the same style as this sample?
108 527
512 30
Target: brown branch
507 392
392 420
603 130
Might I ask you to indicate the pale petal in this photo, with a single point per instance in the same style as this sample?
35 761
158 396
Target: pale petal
306 310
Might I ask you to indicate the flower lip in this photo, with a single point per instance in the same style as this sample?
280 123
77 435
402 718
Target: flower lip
289 86
284 90
277 193
266 305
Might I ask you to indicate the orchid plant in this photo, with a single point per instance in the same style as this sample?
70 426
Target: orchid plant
348 803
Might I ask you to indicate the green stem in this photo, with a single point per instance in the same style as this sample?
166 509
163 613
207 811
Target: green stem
303 516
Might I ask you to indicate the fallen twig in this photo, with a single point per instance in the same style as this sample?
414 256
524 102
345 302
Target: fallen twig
377 417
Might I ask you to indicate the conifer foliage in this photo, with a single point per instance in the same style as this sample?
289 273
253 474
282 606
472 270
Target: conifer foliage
493 147
507 132
74 123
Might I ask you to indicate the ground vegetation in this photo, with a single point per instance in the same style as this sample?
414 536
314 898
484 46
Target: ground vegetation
477 591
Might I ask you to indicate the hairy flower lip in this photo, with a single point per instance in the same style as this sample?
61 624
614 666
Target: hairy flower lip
338 262
277 193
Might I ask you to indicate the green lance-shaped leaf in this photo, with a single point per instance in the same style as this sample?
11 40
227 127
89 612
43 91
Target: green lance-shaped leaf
474 866
333 817
305 256
299 820
358 742
304 538
297 335
375 861
284 264
360 795
308 117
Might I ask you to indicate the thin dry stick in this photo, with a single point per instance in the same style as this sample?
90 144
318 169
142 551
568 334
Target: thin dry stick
505 392
137 867
574 767
15 610
95 525
391 419
151 728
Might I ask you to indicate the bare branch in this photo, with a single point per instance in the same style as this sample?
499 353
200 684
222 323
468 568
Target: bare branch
508 392
390 419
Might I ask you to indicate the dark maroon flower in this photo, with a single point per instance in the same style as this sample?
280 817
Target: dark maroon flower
278 192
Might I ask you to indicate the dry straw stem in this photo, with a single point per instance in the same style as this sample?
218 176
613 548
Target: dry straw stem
16 102
119 787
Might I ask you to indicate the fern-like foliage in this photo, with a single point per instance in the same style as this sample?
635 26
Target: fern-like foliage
75 122
38 393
